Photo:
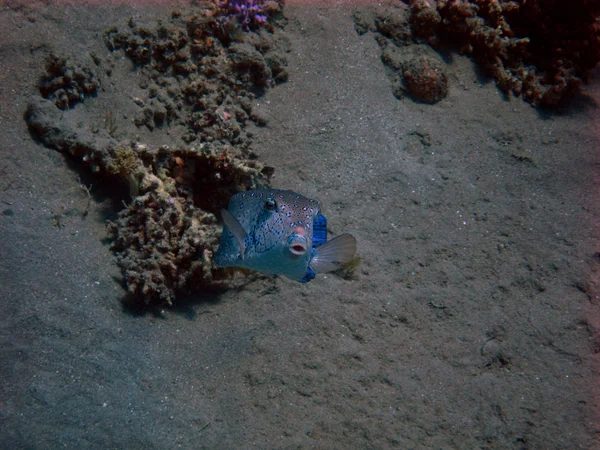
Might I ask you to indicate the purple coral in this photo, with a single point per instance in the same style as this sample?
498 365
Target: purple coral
249 13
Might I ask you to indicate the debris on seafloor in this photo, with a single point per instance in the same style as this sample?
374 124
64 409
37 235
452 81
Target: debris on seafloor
541 50
200 73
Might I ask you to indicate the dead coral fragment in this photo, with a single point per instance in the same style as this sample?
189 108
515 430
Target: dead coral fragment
411 70
425 80
67 83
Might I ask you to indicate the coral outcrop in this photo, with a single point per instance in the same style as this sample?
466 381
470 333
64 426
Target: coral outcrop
199 73
542 50
165 239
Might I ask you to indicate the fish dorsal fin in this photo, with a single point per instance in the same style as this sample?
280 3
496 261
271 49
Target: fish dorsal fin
236 229
333 254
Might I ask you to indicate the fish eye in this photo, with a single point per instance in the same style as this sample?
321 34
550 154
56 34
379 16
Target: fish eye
270 204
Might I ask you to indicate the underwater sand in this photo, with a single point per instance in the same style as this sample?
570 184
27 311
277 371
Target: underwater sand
472 322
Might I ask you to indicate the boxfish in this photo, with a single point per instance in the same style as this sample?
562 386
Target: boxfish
280 232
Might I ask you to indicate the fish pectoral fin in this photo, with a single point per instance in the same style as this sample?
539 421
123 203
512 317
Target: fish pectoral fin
236 229
332 255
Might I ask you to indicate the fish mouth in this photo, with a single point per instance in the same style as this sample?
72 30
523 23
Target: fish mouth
297 245
298 249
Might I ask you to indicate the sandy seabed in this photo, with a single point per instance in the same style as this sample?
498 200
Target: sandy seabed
472 322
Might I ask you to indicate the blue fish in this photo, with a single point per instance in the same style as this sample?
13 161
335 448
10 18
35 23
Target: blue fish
280 232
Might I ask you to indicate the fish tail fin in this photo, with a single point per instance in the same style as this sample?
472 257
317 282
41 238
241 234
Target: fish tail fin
332 255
